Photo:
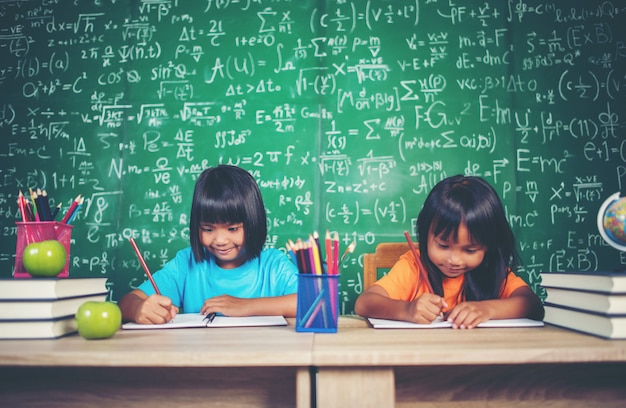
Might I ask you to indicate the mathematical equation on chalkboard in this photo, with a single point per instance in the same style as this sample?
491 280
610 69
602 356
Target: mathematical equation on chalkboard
346 112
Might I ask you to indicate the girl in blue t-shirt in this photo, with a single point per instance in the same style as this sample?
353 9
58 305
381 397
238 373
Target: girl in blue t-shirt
225 270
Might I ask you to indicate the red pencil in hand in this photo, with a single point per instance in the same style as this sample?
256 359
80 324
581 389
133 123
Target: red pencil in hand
145 267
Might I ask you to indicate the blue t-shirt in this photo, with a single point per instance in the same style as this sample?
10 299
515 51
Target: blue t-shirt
189 283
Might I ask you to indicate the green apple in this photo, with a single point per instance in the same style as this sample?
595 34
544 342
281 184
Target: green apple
98 320
44 258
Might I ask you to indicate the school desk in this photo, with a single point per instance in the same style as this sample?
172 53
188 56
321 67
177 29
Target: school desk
225 367
523 367
357 366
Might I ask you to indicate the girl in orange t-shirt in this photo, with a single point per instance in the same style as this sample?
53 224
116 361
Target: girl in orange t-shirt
468 253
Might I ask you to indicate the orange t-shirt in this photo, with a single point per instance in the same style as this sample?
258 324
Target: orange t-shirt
401 282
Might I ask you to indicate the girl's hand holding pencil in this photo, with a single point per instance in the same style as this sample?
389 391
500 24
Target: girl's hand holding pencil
155 308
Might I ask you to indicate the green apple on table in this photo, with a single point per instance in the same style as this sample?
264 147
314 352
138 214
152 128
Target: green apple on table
45 258
98 320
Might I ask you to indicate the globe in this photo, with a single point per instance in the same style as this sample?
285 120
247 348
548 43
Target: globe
612 221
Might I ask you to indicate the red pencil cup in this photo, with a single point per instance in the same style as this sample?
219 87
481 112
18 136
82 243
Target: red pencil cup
29 232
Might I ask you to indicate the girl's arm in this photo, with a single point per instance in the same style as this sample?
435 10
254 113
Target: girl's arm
375 302
266 306
522 303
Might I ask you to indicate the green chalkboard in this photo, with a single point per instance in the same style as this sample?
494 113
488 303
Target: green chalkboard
346 113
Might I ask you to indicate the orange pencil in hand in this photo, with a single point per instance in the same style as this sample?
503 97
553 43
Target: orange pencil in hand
423 274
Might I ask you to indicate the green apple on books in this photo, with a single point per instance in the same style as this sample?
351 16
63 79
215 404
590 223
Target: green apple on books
44 258
588 302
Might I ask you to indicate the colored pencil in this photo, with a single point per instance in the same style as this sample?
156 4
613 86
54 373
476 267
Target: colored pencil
291 251
33 200
316 256
335 257
76 209
313 309
56 211
328 245
349 250
29 210
70 210
423 274
36 195
21 203
307 261
316 238
145 267
45 205
302 261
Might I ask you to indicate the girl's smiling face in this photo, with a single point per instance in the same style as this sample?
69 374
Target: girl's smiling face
455 256
226 242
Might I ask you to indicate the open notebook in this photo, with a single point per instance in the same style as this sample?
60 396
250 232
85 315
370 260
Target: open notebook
441 324
183 320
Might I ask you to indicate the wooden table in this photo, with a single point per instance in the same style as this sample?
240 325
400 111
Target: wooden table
525 367
225 367
358 366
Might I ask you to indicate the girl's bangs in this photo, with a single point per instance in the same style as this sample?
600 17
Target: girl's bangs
446 224
222 211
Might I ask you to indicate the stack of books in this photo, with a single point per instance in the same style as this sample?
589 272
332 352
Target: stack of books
44 308
588 302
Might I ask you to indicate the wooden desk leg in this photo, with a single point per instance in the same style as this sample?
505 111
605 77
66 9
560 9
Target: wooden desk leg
303 387
344 386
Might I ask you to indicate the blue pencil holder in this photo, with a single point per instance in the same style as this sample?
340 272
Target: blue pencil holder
318 303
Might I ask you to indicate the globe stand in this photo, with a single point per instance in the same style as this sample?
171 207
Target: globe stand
604 232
